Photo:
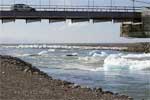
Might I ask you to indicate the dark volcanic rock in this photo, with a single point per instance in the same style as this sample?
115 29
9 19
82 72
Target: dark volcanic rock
21 81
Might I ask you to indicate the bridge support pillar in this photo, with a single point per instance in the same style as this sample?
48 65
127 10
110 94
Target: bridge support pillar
137 29
130 29
146 21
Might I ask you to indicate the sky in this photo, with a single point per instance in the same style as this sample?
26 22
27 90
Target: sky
65 32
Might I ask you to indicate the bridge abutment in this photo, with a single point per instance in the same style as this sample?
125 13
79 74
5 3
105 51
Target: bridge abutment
146 21
137 29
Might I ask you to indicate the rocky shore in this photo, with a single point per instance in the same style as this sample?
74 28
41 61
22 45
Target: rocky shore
19 80
139 47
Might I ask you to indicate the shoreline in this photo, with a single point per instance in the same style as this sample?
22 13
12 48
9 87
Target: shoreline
22 81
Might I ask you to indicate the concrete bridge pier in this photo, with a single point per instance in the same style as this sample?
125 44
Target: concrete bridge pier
146 21
137 29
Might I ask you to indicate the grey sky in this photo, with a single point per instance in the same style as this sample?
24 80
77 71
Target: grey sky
20 32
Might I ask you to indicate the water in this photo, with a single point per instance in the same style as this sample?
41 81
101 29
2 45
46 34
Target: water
119 72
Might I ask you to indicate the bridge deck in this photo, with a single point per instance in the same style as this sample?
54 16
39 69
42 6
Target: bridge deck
124 16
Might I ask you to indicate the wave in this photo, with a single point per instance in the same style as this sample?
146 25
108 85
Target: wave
81 67
51 50
94 57
21 55
43 46
43 52
64 50
93 52
122 61
59 46
91 60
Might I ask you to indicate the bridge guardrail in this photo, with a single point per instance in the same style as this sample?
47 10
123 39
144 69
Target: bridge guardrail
79 8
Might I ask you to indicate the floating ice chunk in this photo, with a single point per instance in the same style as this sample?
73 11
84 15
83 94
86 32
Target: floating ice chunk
119 61
93 52
102 54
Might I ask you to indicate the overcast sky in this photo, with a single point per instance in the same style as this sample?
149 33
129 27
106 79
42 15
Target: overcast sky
64 32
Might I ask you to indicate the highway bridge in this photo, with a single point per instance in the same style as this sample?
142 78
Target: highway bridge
76 14
137 16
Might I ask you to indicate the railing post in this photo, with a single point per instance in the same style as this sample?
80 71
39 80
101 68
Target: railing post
111 3
49 4
2 5
88 8
64 5
93 3
14 11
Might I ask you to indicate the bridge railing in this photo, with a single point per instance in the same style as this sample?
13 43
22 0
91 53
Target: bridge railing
78 8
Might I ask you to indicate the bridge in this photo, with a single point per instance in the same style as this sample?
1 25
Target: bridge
76 13
135 21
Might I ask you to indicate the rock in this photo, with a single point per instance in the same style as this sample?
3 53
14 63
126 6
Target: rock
84 87
108 92
70 55
36 73
26 70
141 47
99 90
75 86
3 72
124 96
130 98
73 54
66 83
